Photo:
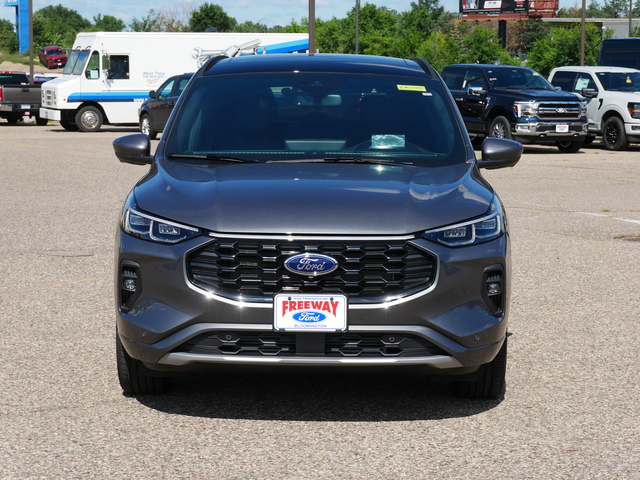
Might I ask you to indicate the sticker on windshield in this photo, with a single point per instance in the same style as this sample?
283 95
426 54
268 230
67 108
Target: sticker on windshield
412 88
387 141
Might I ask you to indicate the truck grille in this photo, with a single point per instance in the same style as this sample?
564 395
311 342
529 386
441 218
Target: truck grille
559 111
284 344
368 272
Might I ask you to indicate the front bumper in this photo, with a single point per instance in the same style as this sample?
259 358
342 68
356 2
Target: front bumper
50 114
551 130
175 326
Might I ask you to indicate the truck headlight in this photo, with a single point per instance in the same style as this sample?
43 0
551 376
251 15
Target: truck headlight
634 110
476 231
525 109
583 109
155 229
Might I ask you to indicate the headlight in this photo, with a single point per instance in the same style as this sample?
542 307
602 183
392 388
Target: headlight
583 109
634 110
155 229
525 109
472 232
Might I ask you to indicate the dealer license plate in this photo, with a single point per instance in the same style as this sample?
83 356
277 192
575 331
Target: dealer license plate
562 128
304 313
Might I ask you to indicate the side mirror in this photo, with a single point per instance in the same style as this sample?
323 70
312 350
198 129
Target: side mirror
476 91
134 149
589 92
153 94
500 153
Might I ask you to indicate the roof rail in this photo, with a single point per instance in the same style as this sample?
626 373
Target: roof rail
426 66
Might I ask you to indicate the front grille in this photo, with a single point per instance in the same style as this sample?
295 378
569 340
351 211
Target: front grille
559 111
368 272
252 344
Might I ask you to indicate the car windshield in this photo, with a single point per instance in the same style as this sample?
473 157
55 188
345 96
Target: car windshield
620 81
518 79
76 62
55 52
317 117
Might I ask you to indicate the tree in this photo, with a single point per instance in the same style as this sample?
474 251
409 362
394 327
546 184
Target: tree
149 23
57 25
523 34
107 23
481 45
211 16
251 27
562 47
8 38
439 49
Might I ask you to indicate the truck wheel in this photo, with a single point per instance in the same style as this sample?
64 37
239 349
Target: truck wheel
13 119
41 121
132 377
569 146
613 134
500 127
146 128
89 119
72 127
491 380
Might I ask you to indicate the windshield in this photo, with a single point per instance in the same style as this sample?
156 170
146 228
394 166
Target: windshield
55 52
76 62
317 116
627 81
518 79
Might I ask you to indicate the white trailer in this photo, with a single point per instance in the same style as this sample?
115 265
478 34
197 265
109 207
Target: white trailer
109 74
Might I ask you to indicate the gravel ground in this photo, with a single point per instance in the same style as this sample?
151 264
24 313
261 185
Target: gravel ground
571 407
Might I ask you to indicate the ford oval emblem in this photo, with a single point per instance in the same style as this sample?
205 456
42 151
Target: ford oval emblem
309 317
311 264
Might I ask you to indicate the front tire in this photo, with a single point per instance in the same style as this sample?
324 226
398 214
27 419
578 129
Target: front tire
41 121
613 134
132 376
500 127
146 128
569 146
491 380
89 119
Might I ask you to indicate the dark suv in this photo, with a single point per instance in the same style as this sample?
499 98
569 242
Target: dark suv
314 210
155 111
516 102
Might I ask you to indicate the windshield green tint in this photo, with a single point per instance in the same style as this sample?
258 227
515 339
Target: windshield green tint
294 116
620 81
76 62
517 78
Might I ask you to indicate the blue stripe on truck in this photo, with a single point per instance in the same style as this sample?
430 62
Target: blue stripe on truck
107 96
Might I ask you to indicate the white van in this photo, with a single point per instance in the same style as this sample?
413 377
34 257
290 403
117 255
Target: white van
109 74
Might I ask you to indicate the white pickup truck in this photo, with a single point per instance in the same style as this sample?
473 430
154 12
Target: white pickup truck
613 96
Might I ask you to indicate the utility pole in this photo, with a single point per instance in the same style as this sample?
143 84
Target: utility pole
312 27
582 28
357 23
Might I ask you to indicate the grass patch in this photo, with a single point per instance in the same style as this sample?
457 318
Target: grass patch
18 58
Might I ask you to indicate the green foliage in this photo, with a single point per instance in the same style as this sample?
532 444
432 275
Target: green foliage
439 50
57 25
251 27
211 16
107 23
562 47
148 23
8 39
481 45
523 35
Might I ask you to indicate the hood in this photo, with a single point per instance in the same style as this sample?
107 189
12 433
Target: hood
540 95
313 198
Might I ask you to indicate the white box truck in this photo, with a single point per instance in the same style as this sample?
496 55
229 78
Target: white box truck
109 74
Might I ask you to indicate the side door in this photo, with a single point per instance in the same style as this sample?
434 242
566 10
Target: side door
161 108
594 103
454 78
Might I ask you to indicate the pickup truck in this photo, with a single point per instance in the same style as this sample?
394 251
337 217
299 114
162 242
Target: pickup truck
516 102
52 56
19 98
613 107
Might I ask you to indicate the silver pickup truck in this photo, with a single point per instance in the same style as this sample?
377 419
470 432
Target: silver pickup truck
19 98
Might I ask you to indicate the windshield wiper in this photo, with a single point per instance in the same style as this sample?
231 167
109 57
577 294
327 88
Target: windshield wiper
208 157
365 161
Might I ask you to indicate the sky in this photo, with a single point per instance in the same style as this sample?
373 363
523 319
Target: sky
267 12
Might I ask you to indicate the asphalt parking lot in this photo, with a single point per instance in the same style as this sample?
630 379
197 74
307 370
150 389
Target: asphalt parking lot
571 409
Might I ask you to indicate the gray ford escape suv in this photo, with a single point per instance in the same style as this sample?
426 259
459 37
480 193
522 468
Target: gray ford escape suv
314 210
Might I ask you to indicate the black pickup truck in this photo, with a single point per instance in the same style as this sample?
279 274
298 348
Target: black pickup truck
19 97
516 102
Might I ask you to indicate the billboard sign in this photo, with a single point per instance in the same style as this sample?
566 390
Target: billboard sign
493 6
